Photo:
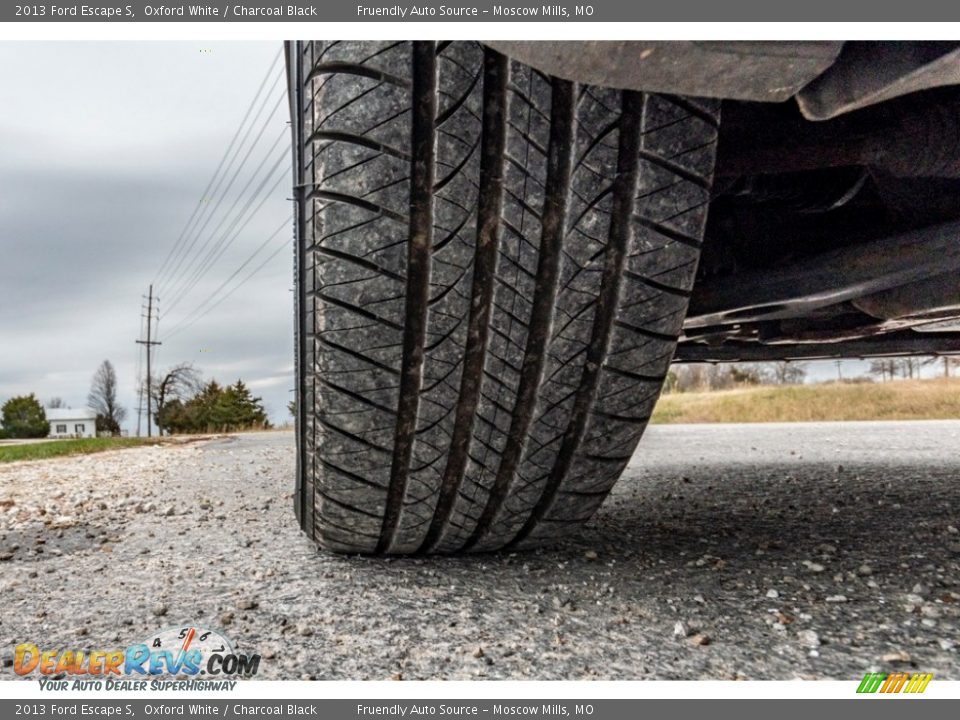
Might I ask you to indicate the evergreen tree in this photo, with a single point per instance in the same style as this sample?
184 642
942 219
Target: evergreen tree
23 417
246 411
215 409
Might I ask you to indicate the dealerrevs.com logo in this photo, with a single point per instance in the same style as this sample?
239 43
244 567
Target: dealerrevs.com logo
206 658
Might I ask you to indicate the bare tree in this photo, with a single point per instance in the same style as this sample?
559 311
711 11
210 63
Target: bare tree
948 363
181 382
55 402
690 378
746 374
787 373
703 377
909 367
103 399
886 368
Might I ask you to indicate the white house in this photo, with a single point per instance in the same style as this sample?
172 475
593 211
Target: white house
72 423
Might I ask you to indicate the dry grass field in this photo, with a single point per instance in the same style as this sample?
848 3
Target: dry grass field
937 399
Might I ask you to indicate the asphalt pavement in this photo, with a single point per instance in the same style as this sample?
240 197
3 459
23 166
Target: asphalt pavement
820 550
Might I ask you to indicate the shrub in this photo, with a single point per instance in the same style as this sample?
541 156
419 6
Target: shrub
24 417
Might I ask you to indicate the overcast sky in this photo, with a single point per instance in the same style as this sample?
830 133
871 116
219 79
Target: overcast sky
106 149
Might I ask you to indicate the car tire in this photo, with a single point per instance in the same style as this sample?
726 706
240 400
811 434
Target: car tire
494 266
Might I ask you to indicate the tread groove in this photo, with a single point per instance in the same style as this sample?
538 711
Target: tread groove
358 202
694 109
675 168
668 232
624 193
496 73
656 285
419 246
559 166
345 68
354 139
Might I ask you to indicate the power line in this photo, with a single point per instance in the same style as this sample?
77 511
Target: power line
214 202
194 251
188 246
203 195
236 272
215 251
233 290
187 262
230 242
185 325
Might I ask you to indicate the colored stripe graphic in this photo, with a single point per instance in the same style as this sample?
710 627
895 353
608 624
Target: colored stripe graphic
871 682
894 682
918 683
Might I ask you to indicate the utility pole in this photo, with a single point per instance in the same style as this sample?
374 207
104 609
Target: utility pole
139 396
139 376
149 342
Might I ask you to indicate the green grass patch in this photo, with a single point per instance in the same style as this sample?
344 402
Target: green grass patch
59 448
935 399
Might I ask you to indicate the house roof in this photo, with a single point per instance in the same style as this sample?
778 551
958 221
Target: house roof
70 414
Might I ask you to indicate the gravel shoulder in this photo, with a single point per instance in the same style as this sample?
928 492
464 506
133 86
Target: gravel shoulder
820 550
